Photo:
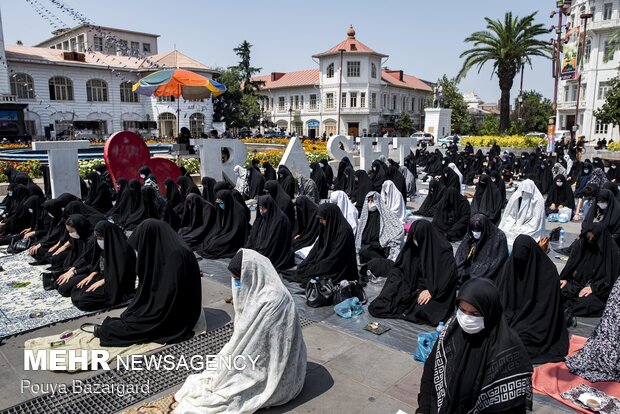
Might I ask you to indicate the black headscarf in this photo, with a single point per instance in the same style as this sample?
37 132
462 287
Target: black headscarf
208 189
530 290
378 175
318 176
77 207
434 165
339 182
172 193
329 173
230 229
17 216
198 220
168 302
429 265
145 171
333 255
123 198
271 235
395 176
234 267
449 178
99 196
496 178
38 220
133 212
484 372
120 263
435 194
187 186
595 264
562 195
613 173
545 176
269 172
256 183
482 257
307 226
363 186
81 248
452 214
283 201
286 180
610 217
487 199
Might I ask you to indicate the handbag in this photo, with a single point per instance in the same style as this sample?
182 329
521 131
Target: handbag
426 342
350 289
18 245
320 292
95 327
554 235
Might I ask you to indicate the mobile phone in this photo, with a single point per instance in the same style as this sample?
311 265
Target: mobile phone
56 344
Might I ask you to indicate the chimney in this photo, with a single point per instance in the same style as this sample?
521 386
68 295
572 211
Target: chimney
276 75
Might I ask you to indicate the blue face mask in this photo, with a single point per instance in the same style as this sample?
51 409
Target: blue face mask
221 205
264 215
237 283
10 193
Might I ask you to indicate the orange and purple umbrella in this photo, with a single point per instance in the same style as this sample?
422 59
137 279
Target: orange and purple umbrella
178 82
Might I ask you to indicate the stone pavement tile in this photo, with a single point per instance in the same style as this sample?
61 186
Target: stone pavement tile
387 405
374 365
407 388
324 344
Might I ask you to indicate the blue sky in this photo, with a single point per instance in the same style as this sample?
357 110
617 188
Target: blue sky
422 37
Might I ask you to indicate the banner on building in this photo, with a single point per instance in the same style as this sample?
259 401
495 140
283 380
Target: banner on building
569 62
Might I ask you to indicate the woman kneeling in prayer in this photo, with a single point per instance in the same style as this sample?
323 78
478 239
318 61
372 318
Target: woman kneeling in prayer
379 231
267 330
590 272
478 363
422 283
560 195
524 213
75 267
452 215
532 301
167 304
112 277
483 251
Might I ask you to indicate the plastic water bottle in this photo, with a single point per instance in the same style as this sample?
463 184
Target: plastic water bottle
439 329
562 236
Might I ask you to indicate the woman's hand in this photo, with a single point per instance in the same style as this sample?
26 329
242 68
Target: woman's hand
424 297
66 276
33 250
563 283
29 235
586 291
96 285
86 281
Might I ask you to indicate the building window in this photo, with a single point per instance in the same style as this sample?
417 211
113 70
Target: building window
587 50
573 96
281 103
65 45
363 100
373 100
98 44
373 71
197 124
385 101
567 93
330 127
582 94
165 99
607 8
31 128
353 69
73 43
127 95
80 40
146 47
59 46
22 86
123 47
135 48
603 88
601 128
272 104
61 89
96 90
343 100
393 102
353 98
329 101
312 101
330 70
301 102
167 125
404 106
412 104
290 102
296 102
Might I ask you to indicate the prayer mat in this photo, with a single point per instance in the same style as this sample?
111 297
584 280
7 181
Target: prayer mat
164 405
24 304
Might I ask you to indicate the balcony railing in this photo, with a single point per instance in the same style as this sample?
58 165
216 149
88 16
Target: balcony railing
8 98
571 104
604 24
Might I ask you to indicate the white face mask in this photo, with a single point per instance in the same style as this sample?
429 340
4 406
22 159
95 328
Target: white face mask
493 179
470 324
559 183
372 207
100 243
476 234
30 211
74 235
586 171
142 176
476 181
602 206
51 215
613 166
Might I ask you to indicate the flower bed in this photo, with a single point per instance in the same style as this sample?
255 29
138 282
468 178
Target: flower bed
315 151
508 141
32 168
614 146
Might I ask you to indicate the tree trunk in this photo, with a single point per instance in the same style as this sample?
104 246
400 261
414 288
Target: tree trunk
504 111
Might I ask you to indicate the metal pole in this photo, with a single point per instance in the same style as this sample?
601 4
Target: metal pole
558 60
340 90
585 18
521 91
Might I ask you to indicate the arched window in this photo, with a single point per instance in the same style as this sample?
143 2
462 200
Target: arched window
127 95
330 70
96 90
373 71
196 124
61 89
22 86
167 124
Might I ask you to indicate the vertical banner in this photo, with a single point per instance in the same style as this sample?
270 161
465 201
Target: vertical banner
569 62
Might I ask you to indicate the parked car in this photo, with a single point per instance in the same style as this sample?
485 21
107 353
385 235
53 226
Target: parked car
445 141
426 137
274 134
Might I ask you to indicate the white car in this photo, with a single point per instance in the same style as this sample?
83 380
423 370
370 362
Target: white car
426 137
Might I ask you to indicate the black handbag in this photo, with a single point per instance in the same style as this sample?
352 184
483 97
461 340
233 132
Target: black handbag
18 245
348 290
320 292
95 327
554 235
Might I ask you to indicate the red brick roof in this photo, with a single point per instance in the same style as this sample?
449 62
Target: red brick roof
410 82
290 79
350 45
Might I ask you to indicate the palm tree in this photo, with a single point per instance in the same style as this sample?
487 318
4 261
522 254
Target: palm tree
508 45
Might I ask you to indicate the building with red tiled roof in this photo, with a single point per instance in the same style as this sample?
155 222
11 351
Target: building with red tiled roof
349 93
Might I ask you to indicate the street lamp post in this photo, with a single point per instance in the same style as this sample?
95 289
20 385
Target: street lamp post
584 17
290 121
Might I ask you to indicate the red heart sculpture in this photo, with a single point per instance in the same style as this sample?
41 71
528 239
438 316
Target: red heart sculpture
125 153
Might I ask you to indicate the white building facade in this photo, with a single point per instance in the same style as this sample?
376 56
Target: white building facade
88 95
595 72
350 75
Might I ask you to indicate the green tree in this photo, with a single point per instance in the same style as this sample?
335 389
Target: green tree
227 107
507 45
609 112
404 124
490 125
534 112
245 70
462 121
